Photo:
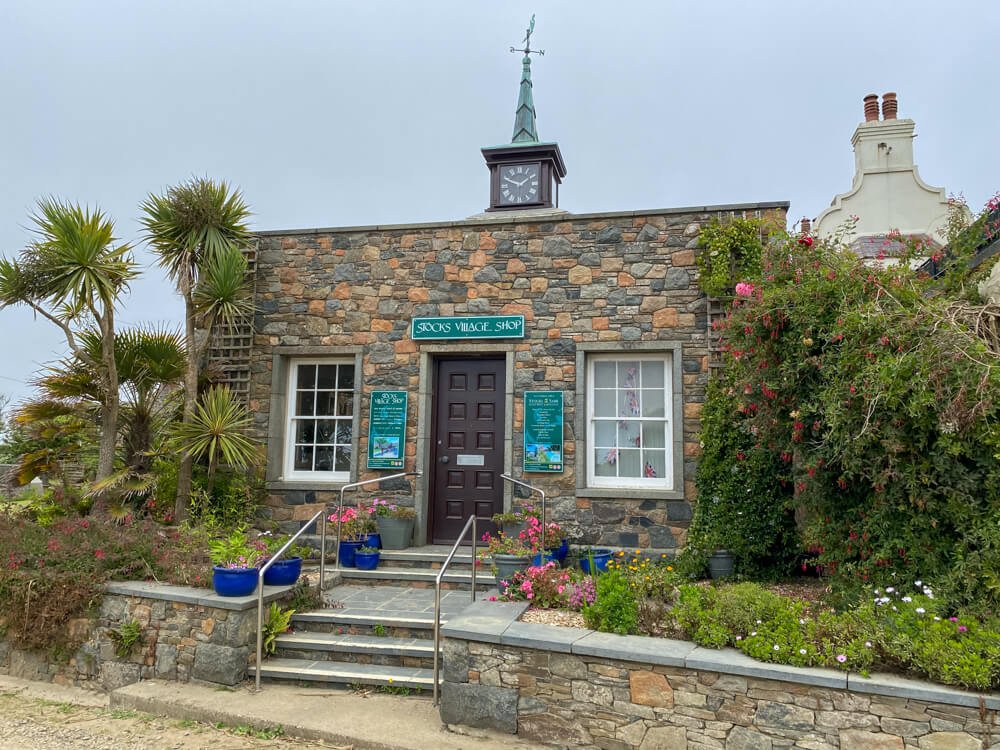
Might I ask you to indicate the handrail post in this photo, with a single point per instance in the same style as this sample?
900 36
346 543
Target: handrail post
533 488
437 593
340 504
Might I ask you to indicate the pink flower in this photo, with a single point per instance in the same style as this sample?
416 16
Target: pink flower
744 290
841 658
962 628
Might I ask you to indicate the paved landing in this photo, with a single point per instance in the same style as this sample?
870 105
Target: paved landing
398 601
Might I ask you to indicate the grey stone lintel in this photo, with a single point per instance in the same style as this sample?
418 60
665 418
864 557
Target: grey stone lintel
731 661
903 687
191 595
484 621
663 651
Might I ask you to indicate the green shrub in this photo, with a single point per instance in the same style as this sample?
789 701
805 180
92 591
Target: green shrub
729 253
615 609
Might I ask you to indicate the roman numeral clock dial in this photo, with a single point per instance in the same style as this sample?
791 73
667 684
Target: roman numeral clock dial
519 184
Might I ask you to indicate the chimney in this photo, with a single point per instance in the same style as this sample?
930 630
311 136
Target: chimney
806 225
871 108
889 105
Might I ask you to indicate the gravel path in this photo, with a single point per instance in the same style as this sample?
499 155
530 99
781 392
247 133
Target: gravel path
31 724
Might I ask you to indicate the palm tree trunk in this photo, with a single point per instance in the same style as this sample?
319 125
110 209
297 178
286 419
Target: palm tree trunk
213 460
109 414
182 502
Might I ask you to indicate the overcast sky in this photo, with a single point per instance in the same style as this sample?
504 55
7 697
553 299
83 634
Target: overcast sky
330 113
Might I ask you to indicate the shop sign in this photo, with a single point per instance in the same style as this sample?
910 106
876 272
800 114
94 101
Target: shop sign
469 327
543 431
387 429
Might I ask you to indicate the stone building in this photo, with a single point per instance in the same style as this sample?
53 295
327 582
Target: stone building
470 318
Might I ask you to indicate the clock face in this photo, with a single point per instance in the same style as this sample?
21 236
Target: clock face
519 184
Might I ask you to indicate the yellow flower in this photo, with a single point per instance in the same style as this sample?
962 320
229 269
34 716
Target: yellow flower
637 552
669 567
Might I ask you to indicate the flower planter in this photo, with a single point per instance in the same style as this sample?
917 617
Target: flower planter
366 560
539 560
234 581
559 554
514 530
508 565
601 557
395 532
345 552
283 572
373 540
720 564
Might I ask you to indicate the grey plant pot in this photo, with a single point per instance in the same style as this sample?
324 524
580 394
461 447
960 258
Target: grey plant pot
720 564
508 565
513 530
396 533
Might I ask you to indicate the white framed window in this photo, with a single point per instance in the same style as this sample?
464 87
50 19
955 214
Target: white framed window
629 421
319 429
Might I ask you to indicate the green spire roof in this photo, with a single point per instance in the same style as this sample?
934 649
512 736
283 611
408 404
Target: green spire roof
525 129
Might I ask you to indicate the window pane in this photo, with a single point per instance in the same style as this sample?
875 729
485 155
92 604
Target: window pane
343 458
324 430
604 434
604 462
306 376
327 376
655 464
652 403
652 435
305 431
303 458
604 374
629 434
326 403
629 463
628 403
628 374
345 404
304 403
344 431
345 378
604 404
652 374
324 459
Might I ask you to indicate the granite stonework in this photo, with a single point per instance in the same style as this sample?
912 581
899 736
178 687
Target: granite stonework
188 634
584 283
582 689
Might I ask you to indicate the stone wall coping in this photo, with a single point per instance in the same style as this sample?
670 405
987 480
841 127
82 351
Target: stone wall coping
192 595
497 623
515 219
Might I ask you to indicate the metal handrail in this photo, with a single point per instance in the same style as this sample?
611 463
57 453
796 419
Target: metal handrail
533 489
340 508
437 593
321 515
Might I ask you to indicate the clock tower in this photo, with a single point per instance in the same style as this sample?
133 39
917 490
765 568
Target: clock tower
525 173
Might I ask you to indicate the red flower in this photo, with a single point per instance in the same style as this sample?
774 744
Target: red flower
99 554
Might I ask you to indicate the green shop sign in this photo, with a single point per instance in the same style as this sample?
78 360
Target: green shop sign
469 327
543 431
387 429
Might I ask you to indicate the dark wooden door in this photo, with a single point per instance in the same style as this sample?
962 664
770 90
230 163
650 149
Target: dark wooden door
467 445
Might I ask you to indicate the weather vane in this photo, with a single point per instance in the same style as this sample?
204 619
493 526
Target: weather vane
527 40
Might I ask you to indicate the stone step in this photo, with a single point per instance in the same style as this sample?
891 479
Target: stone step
357 649
312 672
337 622
417 578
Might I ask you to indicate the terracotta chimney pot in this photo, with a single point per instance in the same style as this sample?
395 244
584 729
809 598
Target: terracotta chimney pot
889 105
871 108
806 225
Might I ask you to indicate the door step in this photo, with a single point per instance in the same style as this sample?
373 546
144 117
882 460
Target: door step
418 578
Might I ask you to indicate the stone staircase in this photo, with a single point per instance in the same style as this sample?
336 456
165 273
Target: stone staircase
379 630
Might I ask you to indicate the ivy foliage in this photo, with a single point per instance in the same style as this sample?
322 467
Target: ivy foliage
730 252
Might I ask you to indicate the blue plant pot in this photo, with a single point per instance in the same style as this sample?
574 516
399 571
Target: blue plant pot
366 560
234 581
560 553
373 540
283 572
539 560
601 558
345 553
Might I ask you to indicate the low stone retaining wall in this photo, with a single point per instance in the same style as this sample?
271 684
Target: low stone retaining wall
584 689
187 634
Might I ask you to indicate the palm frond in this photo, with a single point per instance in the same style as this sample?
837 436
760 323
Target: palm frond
217 428
224 290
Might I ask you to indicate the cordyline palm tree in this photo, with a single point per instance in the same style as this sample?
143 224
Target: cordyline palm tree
217 431
198 229
74 275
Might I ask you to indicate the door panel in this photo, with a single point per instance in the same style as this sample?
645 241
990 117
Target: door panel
467 445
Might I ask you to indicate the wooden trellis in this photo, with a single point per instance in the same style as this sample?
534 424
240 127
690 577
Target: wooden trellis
229 349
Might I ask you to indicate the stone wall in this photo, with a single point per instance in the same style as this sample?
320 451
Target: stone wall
187 634
621 280
595 690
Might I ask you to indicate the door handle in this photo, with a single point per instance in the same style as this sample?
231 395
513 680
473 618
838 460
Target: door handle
443 459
